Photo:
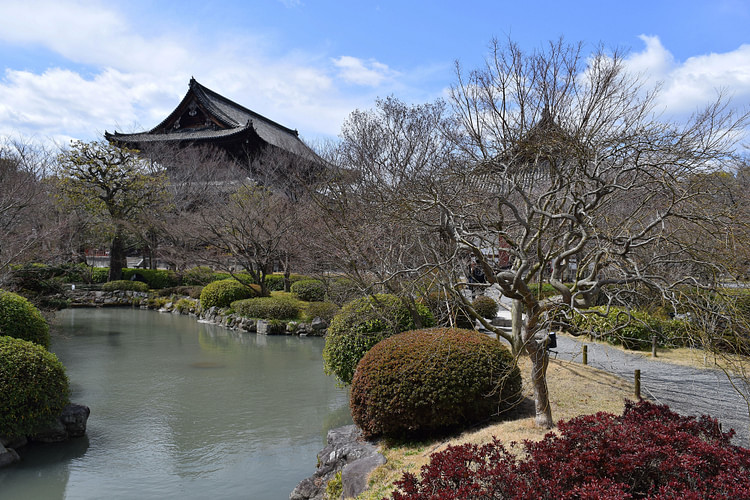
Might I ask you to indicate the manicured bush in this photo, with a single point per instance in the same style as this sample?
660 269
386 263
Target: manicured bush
309 290
343 290
20 319
99 274
223 292
33 386
200 275
429 380
126 285
323 310
283 307
193 291
648 452
361 324
485 306
632 330
155 278
275 282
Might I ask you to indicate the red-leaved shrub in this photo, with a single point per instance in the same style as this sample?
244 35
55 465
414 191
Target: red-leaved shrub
648 452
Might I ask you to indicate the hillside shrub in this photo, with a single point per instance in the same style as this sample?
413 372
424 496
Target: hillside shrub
323 310
155 278
309 290
223 292
632 330
361 324
33 386
283 307
20 319
485 306
429 380
126 285
648 452
198 276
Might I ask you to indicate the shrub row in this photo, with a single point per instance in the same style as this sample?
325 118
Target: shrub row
429 380
283 307
309 290
648 452
361 324
136 286
223 292
631 329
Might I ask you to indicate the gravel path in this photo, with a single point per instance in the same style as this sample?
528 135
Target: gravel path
686 390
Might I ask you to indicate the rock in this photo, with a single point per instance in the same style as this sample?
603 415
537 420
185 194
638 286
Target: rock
8 456
345 448
13 442
261 327
318 324
54 433
74 418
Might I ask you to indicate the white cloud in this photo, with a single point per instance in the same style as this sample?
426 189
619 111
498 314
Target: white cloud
695 82
359 72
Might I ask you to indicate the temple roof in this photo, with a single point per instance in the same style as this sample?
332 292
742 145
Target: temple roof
203 116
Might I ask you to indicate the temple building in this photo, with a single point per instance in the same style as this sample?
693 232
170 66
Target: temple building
205 118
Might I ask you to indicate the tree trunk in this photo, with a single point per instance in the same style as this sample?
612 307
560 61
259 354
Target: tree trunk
516 326
116 257
539 360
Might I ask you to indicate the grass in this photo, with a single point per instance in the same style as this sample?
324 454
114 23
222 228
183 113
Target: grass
575 390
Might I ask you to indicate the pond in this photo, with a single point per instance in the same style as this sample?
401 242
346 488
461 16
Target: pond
181 409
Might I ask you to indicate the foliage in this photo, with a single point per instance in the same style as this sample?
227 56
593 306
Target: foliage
632 330
194 291
485 306
200 275
648 452
281 307
430 380
223 292
185 305
33 385
99 274
309 290
361 324
447 310
343 290
323 310
275 282
20 319
334 488
155 278
128 285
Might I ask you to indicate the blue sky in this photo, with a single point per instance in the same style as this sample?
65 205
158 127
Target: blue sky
73 69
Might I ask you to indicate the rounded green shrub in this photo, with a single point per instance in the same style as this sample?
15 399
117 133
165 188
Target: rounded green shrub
323 310
430 380
343 290
33 385
309 290
223 292
20 319
283 307
200 276
361 324
126 285
485 306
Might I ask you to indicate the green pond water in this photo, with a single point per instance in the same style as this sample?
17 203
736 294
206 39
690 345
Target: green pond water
181 409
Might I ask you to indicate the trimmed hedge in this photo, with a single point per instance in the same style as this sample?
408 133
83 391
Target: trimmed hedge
33 386
485 306
223 292
309 290
632 330
127 285
20 319
361 324
648 452
268 307
155 278
429 380
323 310
200 276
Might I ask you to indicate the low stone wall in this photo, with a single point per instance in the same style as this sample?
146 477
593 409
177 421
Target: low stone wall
347 451
70 424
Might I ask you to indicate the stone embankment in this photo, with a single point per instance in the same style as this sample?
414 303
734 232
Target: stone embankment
121 298
347 452
70 424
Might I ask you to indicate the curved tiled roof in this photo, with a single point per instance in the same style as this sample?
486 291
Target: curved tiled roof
230 119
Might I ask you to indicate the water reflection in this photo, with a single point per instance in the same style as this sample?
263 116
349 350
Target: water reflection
185 410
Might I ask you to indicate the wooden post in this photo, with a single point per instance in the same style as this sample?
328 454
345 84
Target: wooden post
638 384
653 346
585 354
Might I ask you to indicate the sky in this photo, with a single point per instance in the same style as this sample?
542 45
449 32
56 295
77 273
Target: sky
73 69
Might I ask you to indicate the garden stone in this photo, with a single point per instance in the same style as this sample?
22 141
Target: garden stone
74 418
54 433
261 327
8 456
